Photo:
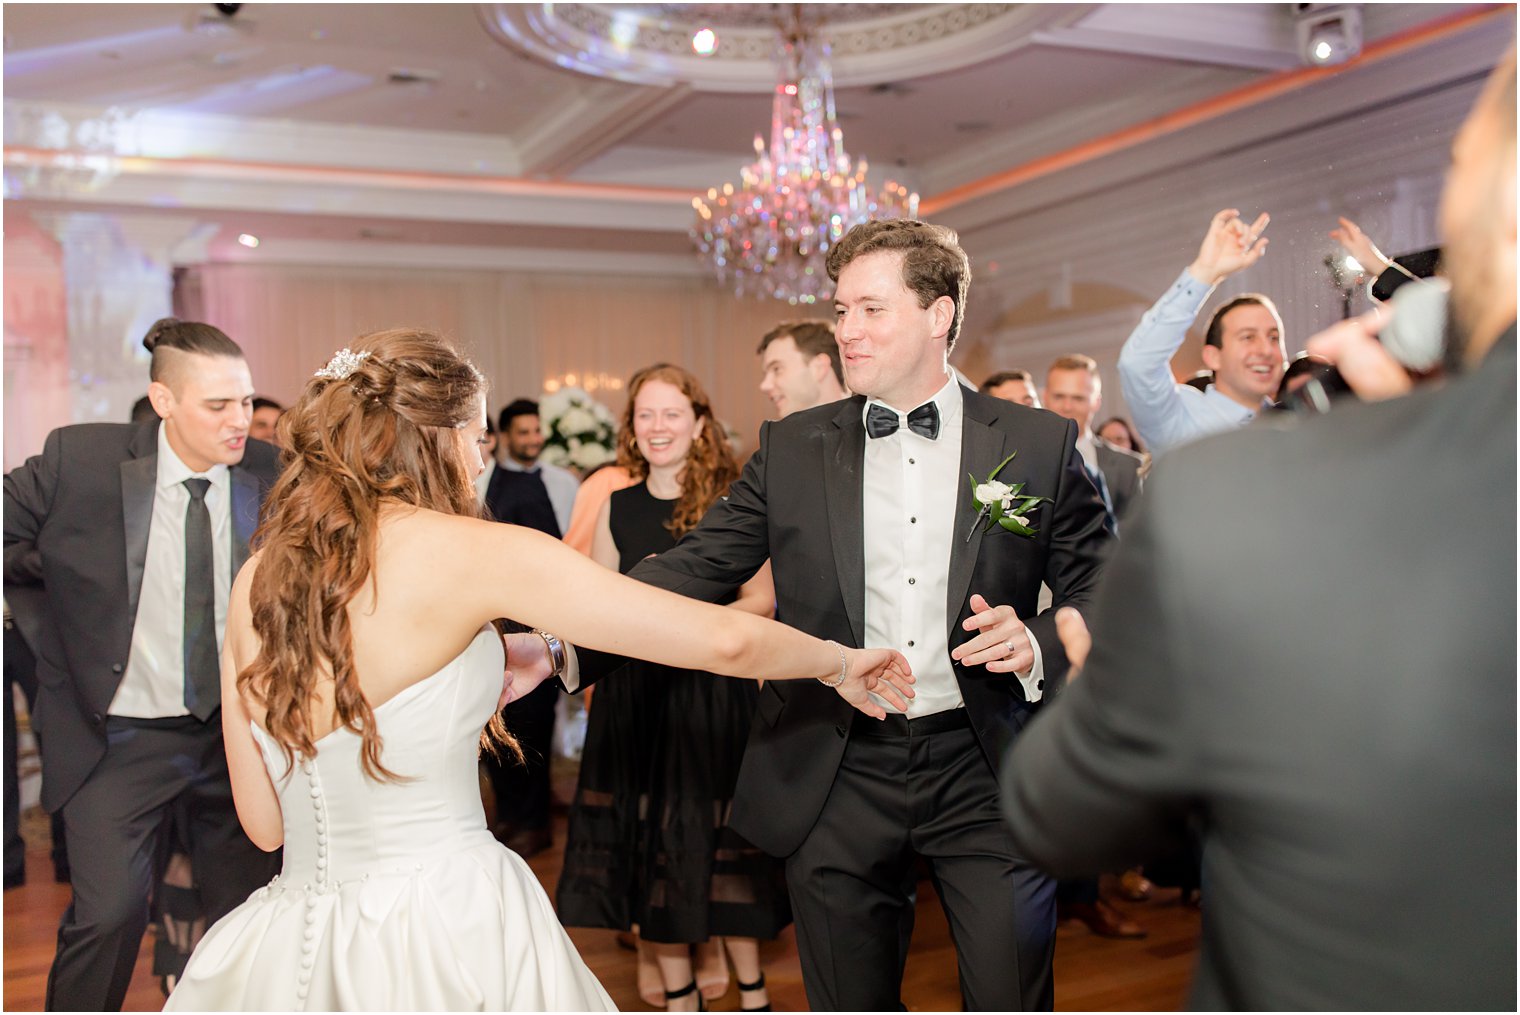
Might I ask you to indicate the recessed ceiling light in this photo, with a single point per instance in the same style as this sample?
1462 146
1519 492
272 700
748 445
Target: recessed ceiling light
705 42
248 240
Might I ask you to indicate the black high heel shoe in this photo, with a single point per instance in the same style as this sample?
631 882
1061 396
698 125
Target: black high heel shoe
676 995
757 985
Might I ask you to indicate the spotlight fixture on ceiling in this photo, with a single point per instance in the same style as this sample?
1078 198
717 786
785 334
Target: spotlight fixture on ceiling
1327 34
704 42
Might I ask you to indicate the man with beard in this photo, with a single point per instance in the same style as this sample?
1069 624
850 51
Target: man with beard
1330 735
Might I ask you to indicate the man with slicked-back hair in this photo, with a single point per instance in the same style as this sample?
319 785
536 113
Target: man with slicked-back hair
135 531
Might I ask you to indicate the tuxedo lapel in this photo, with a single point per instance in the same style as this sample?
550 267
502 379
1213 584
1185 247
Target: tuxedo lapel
245 514
139 475
843 485
982 447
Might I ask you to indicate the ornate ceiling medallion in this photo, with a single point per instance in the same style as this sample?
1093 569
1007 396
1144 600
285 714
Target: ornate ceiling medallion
651 44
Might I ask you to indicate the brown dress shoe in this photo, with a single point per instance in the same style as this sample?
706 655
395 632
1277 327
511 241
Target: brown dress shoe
1103 919
1135 886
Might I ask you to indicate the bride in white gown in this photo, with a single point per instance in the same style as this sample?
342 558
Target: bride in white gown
359 668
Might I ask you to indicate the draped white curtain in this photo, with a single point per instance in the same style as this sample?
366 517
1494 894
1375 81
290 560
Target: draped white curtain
520 329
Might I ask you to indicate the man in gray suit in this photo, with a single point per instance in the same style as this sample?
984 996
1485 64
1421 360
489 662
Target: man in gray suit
1305 648
135 532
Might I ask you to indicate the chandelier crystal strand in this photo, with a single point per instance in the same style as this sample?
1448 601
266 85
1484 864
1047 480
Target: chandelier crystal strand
771 235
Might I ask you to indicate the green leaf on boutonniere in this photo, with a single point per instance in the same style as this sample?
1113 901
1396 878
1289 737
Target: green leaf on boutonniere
1002 503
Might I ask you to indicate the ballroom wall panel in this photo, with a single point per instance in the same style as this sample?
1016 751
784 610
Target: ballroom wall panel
521 329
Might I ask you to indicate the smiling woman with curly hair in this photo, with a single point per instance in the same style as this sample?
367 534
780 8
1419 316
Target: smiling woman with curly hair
650 845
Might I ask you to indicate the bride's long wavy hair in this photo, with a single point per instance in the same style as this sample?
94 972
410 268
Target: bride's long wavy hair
385 433
710 464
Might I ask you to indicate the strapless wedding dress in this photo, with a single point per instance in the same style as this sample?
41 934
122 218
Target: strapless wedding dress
393 894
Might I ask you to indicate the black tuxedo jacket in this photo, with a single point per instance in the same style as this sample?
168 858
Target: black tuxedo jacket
799 503
76 522
1299 654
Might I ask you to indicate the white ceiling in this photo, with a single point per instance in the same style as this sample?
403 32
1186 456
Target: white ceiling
284 120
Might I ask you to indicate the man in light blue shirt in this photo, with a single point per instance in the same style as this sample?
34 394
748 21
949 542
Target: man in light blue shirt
1242 346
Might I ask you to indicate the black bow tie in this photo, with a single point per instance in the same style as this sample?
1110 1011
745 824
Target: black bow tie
924 421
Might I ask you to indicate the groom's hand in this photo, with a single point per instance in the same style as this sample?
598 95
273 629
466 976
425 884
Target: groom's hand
1003 642
528 665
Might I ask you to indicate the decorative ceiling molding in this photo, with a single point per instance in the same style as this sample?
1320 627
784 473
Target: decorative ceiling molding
89 178
1219 106
651 44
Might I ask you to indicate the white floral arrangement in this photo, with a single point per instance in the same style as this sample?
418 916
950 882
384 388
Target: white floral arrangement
579 431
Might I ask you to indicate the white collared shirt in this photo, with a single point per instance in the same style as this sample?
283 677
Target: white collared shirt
153 686
911 485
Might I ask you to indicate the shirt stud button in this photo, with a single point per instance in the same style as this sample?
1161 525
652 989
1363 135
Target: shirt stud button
912 581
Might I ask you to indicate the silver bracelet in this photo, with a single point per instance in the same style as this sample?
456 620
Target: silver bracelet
843 667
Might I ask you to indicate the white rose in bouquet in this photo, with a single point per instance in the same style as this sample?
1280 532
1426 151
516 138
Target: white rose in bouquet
553 406
577 420
578 430
589 456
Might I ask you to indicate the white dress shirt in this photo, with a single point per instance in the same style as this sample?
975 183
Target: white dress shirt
561 485
911 485
153 686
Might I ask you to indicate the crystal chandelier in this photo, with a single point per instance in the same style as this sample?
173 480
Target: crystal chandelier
771 234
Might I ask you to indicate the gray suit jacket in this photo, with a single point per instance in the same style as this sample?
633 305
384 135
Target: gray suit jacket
1305 649
76 523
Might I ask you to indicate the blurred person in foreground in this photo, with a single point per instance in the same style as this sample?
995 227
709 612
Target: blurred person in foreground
1330 734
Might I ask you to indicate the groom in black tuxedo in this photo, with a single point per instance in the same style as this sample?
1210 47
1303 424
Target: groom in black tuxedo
865 510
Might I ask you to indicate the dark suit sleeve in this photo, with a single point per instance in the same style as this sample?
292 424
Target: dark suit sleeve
710 562
1079 539
1097 779
28 499
729 545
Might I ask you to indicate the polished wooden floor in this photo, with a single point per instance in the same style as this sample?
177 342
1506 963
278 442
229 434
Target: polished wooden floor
1092 973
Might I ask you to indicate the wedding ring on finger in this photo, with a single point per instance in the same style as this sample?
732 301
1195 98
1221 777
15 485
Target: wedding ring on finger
1009 646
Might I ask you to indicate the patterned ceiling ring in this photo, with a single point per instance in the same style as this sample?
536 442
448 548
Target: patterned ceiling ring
652 43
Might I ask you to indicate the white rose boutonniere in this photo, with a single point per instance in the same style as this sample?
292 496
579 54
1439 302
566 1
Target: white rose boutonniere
1003 504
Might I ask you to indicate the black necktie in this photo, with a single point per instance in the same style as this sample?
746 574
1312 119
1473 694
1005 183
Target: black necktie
924 421
203 679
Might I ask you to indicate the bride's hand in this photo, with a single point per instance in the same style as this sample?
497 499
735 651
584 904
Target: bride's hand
880 670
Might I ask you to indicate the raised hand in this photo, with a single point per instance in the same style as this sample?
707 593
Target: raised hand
1229 246
1003 642
1360 246
880 670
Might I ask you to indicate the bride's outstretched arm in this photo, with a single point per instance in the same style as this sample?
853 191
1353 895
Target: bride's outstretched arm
508 571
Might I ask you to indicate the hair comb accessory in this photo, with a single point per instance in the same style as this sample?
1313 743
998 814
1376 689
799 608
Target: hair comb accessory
344 362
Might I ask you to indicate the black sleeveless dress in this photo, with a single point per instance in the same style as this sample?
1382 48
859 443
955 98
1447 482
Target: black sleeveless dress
649 842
